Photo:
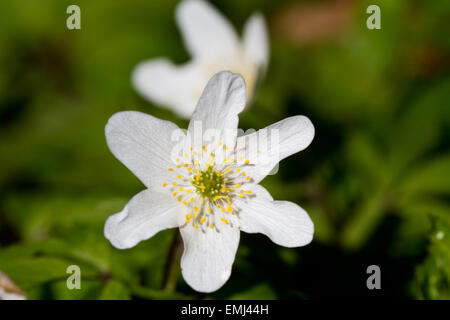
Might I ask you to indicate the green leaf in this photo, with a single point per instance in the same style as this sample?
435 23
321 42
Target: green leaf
29 272
114 290
419 129
154 294
363 222
431 177
432 278
261 291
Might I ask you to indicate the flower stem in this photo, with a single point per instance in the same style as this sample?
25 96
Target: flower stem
172 269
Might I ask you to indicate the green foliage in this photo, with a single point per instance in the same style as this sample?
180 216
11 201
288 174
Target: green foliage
432 279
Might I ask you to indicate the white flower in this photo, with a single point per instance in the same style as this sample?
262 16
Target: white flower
214 47
209 196
9 290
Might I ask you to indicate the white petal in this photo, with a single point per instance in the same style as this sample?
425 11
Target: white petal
294 135
205 31
143 144
221 102
284 222
177 88
5 295
146 214
208 256
256 41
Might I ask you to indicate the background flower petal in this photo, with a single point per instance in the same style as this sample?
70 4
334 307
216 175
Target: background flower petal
284 222
175 87
143 144
208 256
206 32
146 214
256 41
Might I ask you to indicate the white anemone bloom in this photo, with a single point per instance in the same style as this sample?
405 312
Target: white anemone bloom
206 189
214 47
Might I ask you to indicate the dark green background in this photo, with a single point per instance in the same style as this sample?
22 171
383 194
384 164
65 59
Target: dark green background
375 180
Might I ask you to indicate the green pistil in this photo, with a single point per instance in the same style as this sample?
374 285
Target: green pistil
209 183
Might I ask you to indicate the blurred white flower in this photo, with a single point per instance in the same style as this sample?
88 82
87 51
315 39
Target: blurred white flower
214 47
207 190
9 290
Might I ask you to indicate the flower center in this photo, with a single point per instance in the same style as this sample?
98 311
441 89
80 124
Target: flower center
207 186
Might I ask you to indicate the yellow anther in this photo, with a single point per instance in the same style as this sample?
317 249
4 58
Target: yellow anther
237 185
179 176
174 183
227 170
204 148
192 199
229 209
179 166
208 210
181 189
196 226
247 161
170 169
202 187
248 191
211 226
185 165
196 209
241 195
179 199
202 220
238 170
164 184
248 178
184 202
174 194
243 174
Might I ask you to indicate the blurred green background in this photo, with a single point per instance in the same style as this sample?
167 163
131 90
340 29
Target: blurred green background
375 180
